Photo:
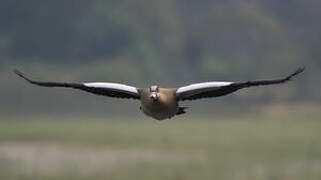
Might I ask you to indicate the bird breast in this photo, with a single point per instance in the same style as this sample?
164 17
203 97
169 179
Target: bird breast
164 107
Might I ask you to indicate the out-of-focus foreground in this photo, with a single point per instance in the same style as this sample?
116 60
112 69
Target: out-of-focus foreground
274 144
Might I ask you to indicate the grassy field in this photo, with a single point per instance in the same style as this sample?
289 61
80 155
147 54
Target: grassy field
251 147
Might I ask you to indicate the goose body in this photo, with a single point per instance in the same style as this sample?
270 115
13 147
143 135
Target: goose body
164 107
162 103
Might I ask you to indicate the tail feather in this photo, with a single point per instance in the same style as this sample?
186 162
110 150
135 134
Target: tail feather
181 110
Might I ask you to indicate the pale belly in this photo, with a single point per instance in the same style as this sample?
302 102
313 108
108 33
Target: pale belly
159 111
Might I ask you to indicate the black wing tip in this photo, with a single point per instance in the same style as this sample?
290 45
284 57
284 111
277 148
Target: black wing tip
17 72
298 71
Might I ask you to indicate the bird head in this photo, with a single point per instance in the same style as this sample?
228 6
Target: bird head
153 90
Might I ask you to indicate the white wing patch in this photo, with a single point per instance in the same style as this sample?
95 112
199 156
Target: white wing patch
200 86
113 86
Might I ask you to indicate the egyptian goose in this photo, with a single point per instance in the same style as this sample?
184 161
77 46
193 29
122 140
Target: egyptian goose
162 103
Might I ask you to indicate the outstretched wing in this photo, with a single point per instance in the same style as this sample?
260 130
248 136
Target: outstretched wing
215 89
105 89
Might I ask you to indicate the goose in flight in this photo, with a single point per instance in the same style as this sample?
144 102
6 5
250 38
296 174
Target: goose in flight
162 103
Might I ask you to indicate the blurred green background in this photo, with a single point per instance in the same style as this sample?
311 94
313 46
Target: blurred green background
267 133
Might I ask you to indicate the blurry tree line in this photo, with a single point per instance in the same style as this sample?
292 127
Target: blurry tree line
168 42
